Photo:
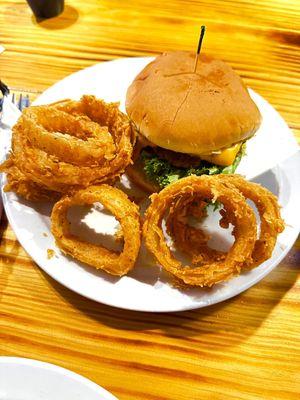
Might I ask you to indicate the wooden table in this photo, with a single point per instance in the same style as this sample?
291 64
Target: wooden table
245 348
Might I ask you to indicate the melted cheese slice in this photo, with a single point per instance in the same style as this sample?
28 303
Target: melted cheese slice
223 157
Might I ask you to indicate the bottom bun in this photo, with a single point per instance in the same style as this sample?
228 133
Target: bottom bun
137 175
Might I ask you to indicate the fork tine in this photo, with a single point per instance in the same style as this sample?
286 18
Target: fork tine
27 101
20 103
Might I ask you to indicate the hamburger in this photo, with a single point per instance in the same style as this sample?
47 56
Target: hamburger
188 122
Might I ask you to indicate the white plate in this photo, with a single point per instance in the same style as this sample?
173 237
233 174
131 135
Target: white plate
26 379
147 288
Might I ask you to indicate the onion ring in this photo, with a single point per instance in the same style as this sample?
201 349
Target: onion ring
56 174
271 223
126 212
83 142
206 188
191 240
18 183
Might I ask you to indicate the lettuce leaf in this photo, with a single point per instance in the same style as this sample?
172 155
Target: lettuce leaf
164 173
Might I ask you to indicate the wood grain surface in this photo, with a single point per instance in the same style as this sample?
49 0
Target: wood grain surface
245 348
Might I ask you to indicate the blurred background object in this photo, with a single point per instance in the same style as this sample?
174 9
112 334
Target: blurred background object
4 91
43 9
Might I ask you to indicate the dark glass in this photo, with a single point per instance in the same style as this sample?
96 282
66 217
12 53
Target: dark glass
4 91
46 8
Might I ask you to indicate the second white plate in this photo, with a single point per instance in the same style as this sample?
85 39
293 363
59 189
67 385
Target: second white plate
27 379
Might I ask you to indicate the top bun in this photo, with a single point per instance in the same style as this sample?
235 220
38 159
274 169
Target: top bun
187 112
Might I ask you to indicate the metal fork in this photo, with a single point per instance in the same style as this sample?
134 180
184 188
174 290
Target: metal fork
20 101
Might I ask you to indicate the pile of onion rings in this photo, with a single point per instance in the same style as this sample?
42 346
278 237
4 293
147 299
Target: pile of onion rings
126 212
74 151
210 266
68 145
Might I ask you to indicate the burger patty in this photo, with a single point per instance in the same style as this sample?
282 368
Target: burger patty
180 160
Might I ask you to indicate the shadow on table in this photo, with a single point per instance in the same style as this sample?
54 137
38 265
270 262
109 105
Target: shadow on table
67 18
7 258
239 317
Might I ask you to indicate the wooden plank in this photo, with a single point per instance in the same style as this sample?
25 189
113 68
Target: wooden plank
245 348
